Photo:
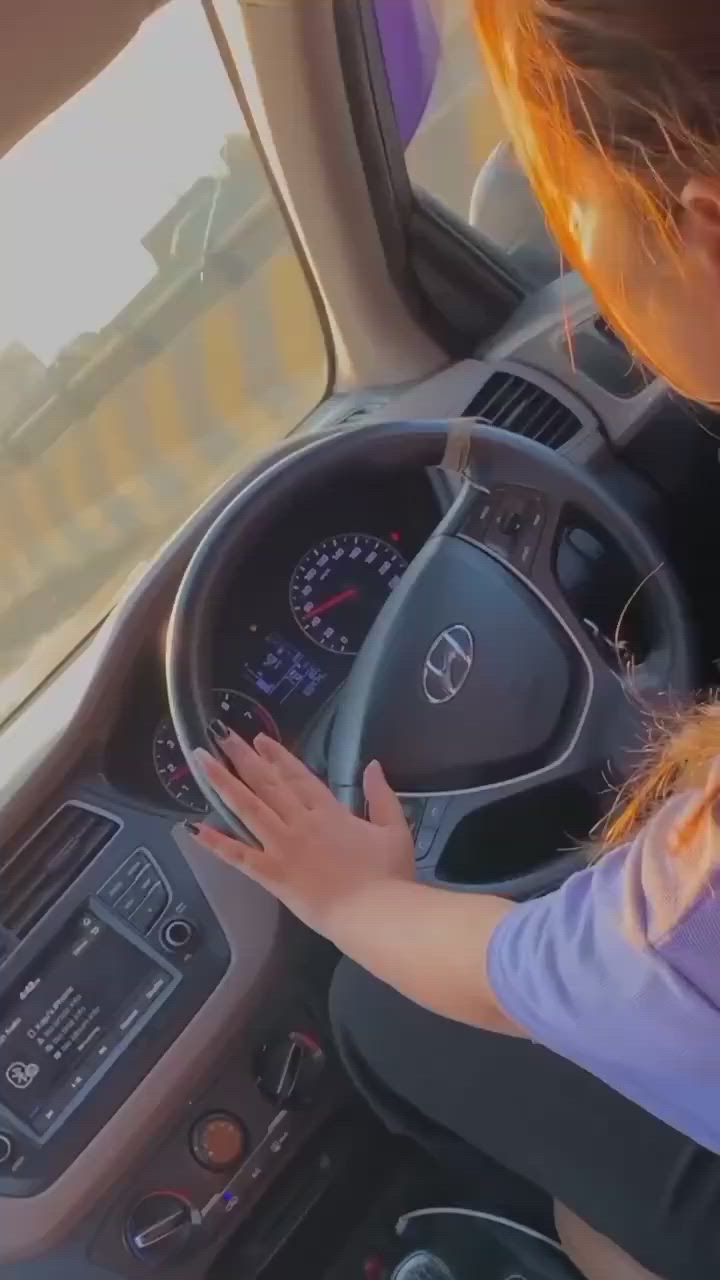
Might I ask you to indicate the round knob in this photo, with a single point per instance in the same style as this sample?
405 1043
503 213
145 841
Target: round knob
289 1069
177 935
7 1148
160 1227
217 1141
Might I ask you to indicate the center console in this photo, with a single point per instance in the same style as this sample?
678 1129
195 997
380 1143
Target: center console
92 998
231 1144
117 960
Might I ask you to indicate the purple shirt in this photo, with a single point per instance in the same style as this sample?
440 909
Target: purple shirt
619 971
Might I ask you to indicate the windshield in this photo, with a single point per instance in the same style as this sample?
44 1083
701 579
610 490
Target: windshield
156 333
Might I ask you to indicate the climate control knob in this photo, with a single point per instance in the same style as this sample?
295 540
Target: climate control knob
160 1228
289 1069
217 1141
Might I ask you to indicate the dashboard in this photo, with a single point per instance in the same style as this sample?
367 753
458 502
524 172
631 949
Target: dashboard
294 619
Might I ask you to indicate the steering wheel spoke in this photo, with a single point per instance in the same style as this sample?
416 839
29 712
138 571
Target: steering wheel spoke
470 842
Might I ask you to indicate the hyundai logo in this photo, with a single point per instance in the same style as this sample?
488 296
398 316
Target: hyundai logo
448 664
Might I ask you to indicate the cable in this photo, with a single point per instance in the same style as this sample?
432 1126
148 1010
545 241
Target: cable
402 1223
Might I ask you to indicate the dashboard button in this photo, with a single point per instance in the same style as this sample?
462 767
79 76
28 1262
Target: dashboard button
149 911
7 1149
241 1191
118 884
129 903
46 1118
159 980
147 881
178 935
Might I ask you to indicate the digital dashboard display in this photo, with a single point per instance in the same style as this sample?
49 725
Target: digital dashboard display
280 671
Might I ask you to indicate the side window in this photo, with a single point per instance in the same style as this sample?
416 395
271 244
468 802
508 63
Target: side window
156 335
448 118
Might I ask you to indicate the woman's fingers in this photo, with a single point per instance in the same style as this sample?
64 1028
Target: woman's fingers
259 774
384 808
256 863
310 790
251 808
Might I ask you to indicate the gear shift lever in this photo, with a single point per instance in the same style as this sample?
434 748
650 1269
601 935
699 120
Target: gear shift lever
422 1266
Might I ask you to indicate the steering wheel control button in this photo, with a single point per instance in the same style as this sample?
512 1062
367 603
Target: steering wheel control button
424 842
414 810
150 910
218 1142
435 811
528 544
178 935
126 875
7 1149
478 519
510 523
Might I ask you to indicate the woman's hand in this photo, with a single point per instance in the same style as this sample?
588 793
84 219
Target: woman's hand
316 854
354 881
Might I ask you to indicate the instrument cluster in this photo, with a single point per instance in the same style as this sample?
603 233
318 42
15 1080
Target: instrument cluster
295 618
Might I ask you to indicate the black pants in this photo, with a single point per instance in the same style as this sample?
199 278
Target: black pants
467 1095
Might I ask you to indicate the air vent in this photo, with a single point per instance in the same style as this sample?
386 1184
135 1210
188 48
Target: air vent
33 876
515 404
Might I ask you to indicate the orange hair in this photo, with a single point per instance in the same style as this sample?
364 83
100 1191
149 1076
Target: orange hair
611 105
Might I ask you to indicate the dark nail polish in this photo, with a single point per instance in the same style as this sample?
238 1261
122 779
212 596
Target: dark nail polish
192 828
219 730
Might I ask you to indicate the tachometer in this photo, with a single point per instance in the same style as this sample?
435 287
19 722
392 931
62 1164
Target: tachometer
239 712
339 587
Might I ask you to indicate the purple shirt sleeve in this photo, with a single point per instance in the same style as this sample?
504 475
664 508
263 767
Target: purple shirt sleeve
619 971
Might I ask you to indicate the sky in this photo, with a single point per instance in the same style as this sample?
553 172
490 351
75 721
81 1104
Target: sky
80 191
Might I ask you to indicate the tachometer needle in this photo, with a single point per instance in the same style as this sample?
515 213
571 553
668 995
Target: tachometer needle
350 594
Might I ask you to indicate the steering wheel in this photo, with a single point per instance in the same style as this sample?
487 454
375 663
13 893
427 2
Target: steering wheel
478 684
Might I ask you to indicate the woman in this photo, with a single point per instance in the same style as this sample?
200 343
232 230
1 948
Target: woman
603 1087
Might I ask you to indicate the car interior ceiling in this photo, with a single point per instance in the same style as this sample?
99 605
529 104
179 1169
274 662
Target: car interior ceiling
211 1131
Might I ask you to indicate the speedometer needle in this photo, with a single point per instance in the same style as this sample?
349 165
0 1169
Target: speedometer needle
342 596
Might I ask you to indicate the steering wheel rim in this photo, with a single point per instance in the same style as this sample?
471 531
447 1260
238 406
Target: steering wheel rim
487 459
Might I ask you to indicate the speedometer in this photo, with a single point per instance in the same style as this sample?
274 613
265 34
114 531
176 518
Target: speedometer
339 587
238 712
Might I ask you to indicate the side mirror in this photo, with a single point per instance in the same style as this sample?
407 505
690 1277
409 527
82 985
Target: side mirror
412 47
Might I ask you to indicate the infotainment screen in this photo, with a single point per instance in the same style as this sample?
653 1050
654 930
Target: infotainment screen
61 1024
